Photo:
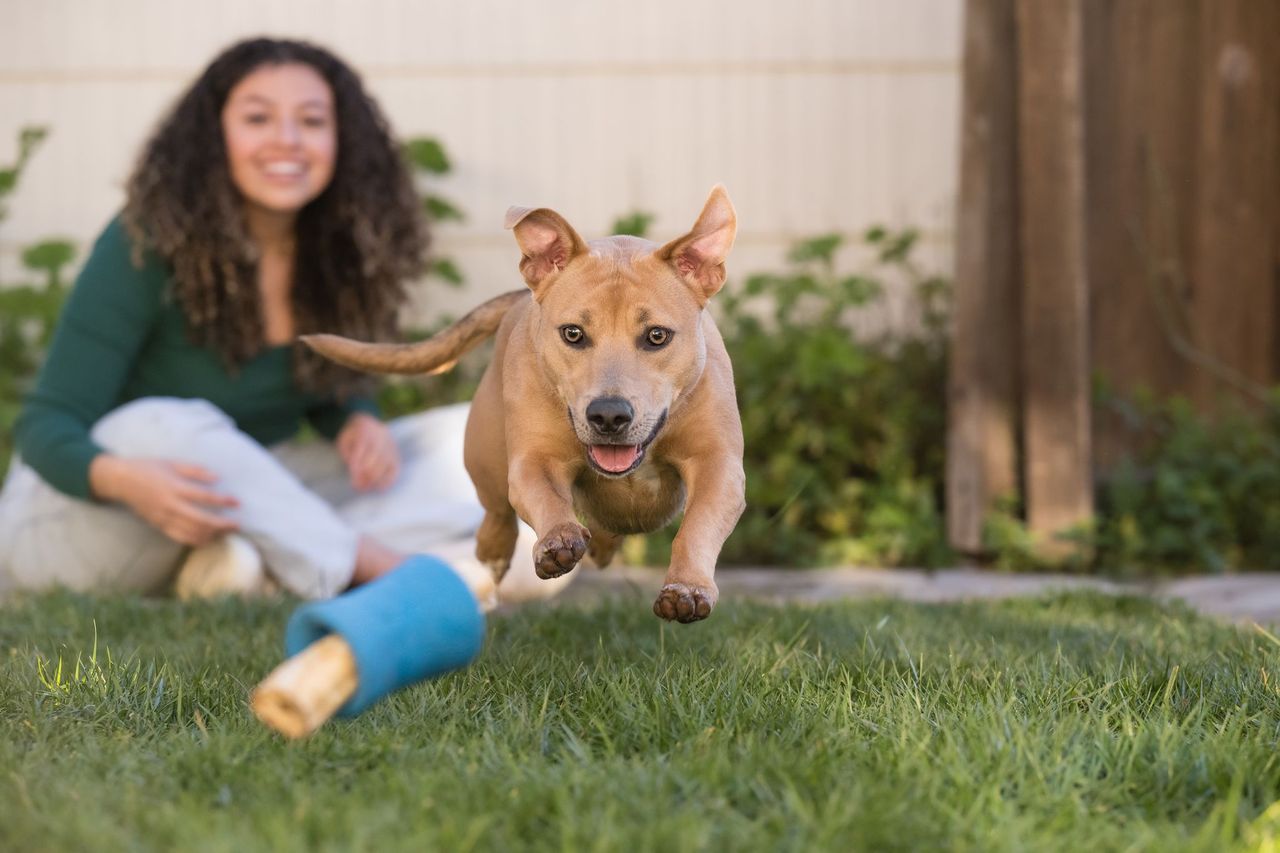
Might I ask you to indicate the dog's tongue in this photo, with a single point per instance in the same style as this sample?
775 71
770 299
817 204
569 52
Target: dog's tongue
614 458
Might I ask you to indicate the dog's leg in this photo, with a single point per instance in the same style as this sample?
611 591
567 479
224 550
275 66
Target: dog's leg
485 455
541 492
716 489
496 540
604 545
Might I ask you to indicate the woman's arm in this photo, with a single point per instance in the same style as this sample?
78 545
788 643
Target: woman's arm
106 321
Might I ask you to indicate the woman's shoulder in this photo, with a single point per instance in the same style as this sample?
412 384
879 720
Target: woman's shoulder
119 249
119 270
119 239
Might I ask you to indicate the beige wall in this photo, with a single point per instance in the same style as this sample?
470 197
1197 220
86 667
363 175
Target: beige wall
818 115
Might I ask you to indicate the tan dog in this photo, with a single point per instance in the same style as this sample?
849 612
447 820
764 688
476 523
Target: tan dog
610 398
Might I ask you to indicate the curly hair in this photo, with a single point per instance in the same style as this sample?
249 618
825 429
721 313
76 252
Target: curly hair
358 242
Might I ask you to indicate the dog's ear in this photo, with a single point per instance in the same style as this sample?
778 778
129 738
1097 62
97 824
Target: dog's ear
546 240
699 255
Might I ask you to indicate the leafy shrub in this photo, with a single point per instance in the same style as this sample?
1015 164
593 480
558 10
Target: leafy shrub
1201 495
844 437
634 224
429 160
28 312
401 395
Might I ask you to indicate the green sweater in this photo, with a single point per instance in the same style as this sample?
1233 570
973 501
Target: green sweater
122 337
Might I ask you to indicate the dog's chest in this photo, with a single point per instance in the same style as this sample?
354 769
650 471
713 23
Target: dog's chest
642 501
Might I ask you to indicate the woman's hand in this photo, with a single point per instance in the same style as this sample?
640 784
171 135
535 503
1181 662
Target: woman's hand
170 496
369 452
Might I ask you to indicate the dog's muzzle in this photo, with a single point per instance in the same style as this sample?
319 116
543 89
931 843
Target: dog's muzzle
611 451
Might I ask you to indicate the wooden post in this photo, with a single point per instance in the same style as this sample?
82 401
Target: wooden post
1233 279
1056 405
982 385
1141 70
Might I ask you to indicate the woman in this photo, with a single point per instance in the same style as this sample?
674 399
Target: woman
271 202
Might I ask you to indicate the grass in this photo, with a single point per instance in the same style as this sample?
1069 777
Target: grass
1031 725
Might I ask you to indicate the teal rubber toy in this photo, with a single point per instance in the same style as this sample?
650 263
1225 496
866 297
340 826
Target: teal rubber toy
415 622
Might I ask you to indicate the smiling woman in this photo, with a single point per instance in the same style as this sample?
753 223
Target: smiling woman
281 138
271 201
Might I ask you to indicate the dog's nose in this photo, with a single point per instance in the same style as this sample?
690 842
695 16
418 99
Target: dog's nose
610 414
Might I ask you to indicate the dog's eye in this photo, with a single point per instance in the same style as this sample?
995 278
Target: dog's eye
572 335
657 336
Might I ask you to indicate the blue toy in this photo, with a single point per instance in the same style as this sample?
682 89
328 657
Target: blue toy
416 622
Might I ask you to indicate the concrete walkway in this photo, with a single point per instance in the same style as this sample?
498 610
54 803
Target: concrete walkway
1242 598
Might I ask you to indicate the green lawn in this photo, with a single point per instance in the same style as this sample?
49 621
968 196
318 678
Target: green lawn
1064 723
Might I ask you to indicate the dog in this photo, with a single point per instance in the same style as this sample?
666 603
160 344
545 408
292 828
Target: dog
609 399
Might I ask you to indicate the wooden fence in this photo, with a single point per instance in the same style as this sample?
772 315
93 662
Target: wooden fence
1118 222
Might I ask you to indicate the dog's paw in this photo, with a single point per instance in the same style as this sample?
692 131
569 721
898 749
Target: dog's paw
560 550
683 602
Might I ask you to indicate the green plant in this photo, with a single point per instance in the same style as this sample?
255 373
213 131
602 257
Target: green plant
400 395
29 139
844 433
28 312
1200 495
429 160
1196 494
49 257
634 224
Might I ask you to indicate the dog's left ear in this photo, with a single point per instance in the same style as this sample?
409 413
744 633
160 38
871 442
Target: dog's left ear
699 255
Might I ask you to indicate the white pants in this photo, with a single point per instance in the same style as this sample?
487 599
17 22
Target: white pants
296 506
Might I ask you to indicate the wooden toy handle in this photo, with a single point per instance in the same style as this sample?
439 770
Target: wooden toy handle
307 689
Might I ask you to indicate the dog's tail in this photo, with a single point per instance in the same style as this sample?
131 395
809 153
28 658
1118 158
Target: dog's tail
436 354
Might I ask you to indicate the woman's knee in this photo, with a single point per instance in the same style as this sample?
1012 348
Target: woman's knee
441 426
432 447
151 425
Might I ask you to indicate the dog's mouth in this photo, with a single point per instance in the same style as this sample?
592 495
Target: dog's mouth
618 460
615 458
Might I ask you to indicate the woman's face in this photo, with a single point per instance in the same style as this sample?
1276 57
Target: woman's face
281 136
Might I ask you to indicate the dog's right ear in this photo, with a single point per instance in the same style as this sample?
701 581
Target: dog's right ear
547 242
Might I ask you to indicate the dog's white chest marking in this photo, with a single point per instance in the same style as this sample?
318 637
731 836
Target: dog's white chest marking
646 483
640 502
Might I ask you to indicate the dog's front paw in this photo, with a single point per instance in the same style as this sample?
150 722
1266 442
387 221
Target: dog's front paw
684 602
560 550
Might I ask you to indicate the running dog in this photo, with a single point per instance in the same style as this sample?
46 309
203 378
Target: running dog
609 400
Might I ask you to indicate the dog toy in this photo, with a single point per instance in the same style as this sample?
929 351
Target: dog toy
416 622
